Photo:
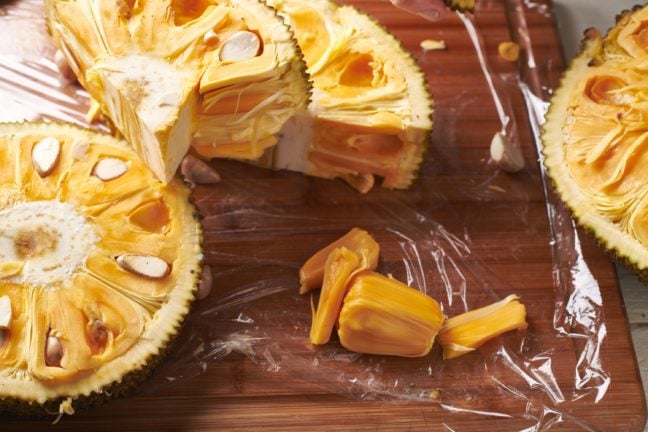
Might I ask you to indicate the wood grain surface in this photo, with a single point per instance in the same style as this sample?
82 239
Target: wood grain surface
265 217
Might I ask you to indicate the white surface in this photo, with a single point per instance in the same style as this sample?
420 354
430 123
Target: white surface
574 16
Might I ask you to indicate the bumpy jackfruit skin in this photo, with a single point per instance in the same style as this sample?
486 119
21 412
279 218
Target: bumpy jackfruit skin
113 322
171 73
371 110
594 138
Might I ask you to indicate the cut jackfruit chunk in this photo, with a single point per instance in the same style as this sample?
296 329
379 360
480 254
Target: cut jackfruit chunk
383 316
464 333
596 137
371 110
169 72
340 267
311 274
79 322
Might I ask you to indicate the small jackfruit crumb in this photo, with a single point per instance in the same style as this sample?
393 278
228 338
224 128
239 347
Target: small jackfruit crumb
64 408
509 51
433 45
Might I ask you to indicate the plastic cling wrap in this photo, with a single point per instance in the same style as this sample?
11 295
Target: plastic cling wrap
466 234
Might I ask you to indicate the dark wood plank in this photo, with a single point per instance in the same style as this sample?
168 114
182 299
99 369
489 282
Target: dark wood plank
261 224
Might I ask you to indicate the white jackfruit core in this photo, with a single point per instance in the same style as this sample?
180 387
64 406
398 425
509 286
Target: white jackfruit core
152 85
160 96
51 239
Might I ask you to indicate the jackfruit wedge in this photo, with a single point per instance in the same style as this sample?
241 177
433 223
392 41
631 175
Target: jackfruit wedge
225 74
311 274
100 263
341 265
465 333
371 111
596 138
383 316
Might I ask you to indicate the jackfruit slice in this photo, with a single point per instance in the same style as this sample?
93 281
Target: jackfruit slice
383 316
95 293
465 333
225 74
341 265
311 274
596 137
371 111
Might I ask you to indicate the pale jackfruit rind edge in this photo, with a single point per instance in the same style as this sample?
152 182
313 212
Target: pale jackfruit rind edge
422 92
619 245
298 52
185 290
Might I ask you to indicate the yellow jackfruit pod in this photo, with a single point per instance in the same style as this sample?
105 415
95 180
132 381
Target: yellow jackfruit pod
383 316
311 273
341 265
10 268
466 332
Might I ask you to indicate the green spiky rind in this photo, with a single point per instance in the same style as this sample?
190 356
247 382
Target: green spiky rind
21 408
298 52
617 244
299 55
26 408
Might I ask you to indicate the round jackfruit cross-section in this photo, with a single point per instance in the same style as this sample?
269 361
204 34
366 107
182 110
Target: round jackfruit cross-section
99 263
596 137
221 75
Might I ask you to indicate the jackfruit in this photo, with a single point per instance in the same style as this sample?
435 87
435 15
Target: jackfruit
383 316
223 74
341 265
371 110
465 333
100 264
595 136
311 274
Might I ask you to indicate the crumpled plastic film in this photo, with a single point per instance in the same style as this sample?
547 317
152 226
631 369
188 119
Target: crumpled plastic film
260 227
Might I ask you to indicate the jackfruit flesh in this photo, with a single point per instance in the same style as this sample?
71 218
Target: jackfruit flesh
223 74
99 262
383 316
464 333
596 136
371 111
311 274
341 265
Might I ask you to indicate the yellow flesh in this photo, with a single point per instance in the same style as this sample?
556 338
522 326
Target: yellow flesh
230 108
136 316
311 274
383 316
596 137
464 333
340 266
370 103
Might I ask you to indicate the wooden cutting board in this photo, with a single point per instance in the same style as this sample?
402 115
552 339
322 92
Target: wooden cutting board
262 217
